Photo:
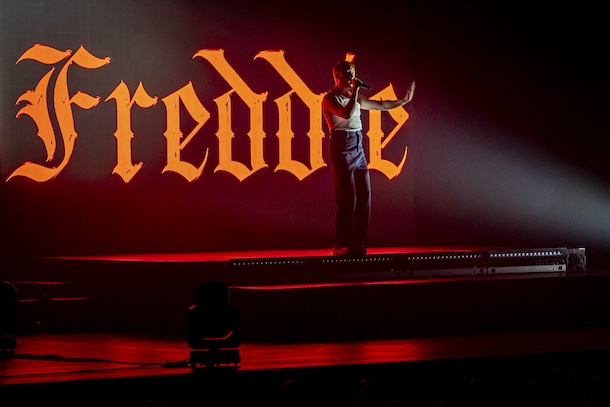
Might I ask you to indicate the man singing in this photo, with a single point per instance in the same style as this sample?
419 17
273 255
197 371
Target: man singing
341 108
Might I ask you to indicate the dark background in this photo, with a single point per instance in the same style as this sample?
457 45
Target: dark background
507 136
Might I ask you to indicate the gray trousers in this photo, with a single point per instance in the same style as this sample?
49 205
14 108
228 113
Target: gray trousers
352 188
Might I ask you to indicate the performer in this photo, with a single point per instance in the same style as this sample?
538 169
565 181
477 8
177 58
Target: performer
341 108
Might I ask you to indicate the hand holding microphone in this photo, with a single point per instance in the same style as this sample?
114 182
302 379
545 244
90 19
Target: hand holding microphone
359 84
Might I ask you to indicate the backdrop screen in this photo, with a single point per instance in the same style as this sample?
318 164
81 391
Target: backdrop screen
146 126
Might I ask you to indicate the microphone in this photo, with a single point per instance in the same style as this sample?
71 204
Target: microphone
361 84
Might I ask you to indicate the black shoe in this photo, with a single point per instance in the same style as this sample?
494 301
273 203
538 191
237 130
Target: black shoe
352 251
341 251
358 250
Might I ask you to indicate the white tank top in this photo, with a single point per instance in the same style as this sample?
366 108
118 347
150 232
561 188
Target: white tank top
338 123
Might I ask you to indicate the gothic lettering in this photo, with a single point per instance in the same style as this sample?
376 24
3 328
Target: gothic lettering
173 134
285 135
225 135
125 168
378 141
37 107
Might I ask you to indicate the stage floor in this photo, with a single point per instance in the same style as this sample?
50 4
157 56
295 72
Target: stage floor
117 321
277 267
125 370
266 254
49 357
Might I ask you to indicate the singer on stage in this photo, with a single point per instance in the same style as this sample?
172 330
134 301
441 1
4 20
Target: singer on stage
341 107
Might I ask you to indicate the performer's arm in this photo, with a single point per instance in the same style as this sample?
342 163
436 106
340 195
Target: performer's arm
368 104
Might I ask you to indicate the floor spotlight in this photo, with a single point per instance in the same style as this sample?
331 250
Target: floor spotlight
214 328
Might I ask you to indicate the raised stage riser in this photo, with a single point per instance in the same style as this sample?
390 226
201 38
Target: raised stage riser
395 309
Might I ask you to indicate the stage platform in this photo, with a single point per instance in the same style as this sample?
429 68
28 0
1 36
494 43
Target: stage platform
125 370
310 295
116 325
277 267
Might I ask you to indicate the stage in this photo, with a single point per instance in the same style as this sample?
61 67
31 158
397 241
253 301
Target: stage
300 295
75 369
118 322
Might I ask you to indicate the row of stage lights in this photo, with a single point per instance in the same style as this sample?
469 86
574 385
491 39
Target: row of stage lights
416 258
546 253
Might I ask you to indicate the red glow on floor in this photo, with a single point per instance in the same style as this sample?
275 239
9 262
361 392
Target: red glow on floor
232 255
